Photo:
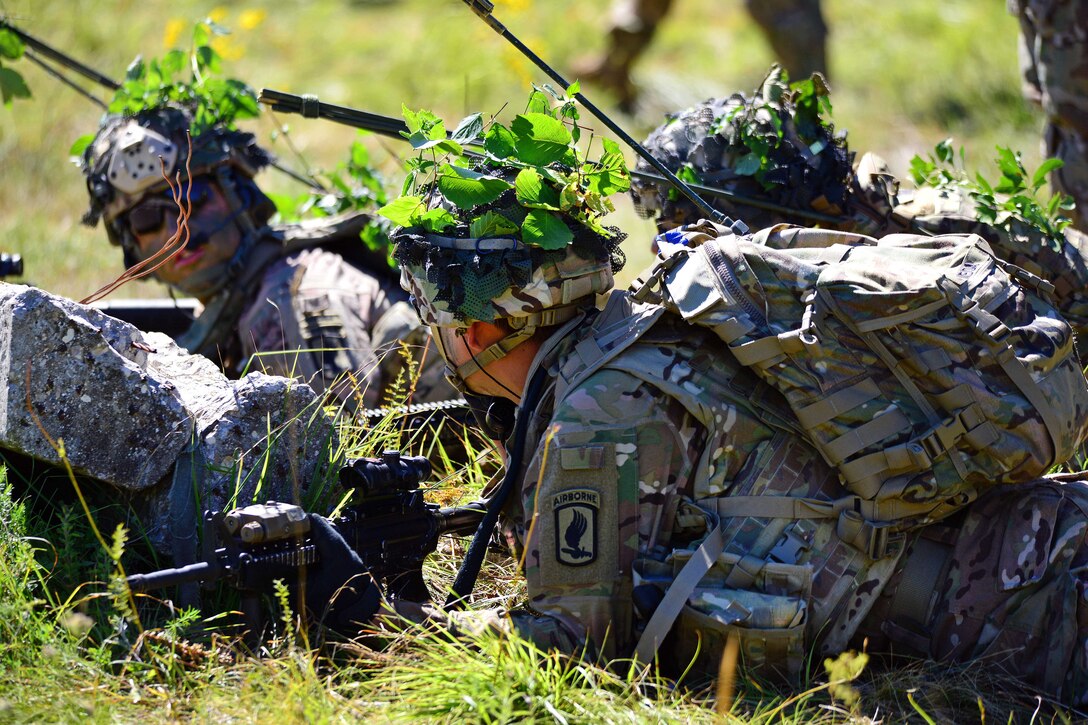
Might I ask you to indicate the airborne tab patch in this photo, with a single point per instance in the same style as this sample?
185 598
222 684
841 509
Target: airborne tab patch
576 526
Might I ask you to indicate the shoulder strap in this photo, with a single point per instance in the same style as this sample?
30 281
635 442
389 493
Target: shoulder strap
619 326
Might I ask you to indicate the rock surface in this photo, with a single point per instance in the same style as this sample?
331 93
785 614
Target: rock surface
128 405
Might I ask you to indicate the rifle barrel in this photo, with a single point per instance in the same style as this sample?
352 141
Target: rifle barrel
484 8
66 60
388 126
201 571
309 106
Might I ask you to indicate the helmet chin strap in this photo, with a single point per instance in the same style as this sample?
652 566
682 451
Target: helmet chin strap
474 360
524 328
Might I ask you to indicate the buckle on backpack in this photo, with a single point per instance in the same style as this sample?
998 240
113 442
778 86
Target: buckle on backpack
875 540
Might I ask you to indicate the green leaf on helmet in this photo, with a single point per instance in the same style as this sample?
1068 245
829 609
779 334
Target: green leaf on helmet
403 211
747 165
491 224
609 175
500 142
540 139
201 35
538 103
545 230
533 192
12 86
436 220
1039 177
10 45
467 188
469 129
80 145
172 63
207 60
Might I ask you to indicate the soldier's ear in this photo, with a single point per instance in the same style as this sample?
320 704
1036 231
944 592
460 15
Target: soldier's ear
481 335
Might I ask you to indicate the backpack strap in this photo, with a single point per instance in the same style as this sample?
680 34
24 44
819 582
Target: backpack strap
677 596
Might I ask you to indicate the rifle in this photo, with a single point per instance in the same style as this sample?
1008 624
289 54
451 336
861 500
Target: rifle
11 265
310 106
387 522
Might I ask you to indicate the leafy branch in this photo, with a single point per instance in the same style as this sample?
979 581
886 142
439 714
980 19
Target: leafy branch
12 85
779 121
191 79
554 177
356 187
1014 199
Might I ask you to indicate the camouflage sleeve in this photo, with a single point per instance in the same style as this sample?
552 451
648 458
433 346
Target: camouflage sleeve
601 488
312 319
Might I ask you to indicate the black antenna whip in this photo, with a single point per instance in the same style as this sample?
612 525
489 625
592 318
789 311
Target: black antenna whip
484 9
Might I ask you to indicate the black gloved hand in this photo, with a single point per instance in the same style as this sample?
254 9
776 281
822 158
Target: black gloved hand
340 592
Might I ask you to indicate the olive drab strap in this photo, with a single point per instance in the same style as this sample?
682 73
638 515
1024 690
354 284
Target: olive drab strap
677 596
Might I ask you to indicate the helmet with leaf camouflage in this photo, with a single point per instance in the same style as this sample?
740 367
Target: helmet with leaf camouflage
130 155
514 234
771 147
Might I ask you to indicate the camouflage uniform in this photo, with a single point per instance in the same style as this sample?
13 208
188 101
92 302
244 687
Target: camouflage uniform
319 318
649 428
1011 589
306 300
795 30
1054 60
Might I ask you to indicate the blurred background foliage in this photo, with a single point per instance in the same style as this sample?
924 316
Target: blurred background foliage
903 77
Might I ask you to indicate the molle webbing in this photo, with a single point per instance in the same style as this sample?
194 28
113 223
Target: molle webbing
921 368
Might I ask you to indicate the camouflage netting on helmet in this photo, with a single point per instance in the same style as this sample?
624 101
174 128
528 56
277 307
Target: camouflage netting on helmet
145 136
456 279
772 146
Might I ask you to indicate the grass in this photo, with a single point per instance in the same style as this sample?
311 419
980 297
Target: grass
75 646
905 75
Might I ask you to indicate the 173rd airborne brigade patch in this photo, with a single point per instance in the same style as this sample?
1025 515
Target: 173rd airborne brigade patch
576 513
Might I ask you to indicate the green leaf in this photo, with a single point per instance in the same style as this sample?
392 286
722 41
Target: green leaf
172 63
12 86
207 59
467 188
10 45
360 156
574 89
1039 177
201 36
610 175
748 165
944 150
80 145
538 103
135 70
540 139
403 211
436 220
469 129
492 224
533 192
544 229
500 142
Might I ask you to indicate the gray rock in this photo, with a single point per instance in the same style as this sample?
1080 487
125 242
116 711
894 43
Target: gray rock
129 405
93 383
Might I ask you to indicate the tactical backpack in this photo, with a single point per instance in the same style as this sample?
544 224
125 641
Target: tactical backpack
921 368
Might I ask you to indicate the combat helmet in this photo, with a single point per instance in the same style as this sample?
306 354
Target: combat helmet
122 168
771 148
456 278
